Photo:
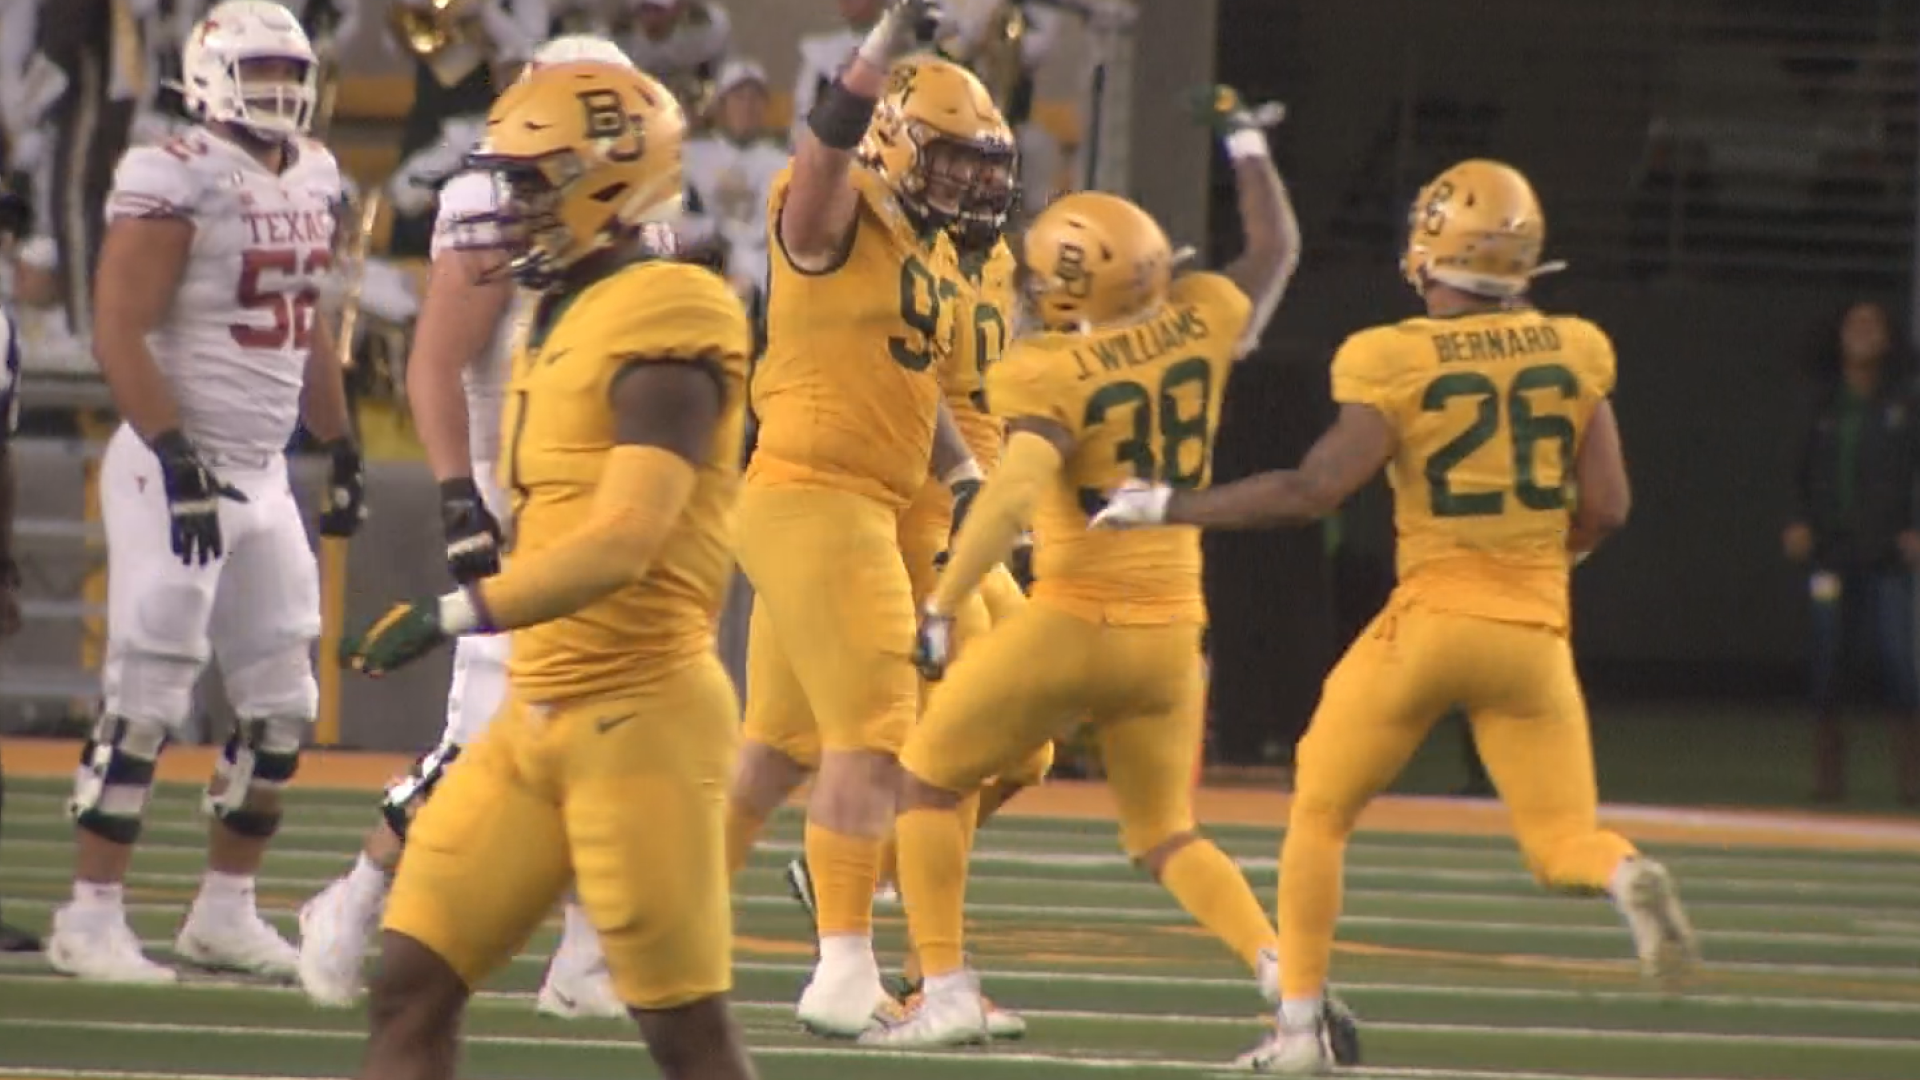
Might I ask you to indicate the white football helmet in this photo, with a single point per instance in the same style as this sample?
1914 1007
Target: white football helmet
219 88
570 48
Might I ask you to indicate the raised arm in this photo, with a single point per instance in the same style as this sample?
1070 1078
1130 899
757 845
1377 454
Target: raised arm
1270 250
1600 473
817 219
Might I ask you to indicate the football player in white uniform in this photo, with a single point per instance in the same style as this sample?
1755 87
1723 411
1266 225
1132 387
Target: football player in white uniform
461 343
218 250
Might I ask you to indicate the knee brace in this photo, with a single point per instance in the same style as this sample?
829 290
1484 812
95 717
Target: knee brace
406 795
115 777
260 756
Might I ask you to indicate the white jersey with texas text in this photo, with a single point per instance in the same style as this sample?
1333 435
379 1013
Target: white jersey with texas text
234 346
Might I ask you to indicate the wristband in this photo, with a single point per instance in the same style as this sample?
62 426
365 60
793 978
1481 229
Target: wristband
459 487
462 613
841 117
1247 143
966 470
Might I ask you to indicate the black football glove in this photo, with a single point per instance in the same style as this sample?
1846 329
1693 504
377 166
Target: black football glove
345 505
964 492
193 499
473 534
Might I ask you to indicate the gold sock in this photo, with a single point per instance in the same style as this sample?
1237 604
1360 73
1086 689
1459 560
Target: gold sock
845 870
1217 895
1311 861
933 880
743 831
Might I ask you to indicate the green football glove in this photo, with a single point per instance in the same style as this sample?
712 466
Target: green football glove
1221 108
407 632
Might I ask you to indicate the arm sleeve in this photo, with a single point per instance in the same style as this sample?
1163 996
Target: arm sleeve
998 517
150 182
641 494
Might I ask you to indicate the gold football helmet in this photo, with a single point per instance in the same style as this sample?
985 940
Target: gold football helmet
1094 259
582 154
935 132
1476 227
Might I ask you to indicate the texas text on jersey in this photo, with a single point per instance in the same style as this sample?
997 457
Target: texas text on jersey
235 349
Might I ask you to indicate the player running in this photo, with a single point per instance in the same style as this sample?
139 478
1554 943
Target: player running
218 249
1493 421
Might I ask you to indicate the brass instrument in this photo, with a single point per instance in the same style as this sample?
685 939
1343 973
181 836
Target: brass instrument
445 35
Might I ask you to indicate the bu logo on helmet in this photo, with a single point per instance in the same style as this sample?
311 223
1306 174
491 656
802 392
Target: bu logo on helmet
608 121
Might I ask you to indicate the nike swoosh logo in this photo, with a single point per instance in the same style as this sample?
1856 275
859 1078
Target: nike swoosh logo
609 723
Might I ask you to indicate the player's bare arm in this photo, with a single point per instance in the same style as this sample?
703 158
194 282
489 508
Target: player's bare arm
822 206
466 297
1355 448
1037 448
1270 249
1600 473
323 396
142 260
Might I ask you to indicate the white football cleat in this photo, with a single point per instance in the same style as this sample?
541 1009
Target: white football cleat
99 946
953 1016
1291 1051
236 939
1003 1023
333 945
846 999
1662 936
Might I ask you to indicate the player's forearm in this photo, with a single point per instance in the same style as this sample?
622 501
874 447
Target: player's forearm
642 494
140 393
998 517
323 395
1267 221
821 204
457 322
1269 500
951 454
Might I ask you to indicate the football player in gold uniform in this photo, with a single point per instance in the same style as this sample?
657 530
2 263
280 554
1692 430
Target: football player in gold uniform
1493 422
862 303
609 762
1125 379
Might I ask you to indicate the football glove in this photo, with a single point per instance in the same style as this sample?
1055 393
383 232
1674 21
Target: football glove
1134 505
473 534
907 27
1221 108
1020 562
345 506
933 644
407 632
193 499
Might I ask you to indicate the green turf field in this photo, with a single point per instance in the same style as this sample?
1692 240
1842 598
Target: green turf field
1457 967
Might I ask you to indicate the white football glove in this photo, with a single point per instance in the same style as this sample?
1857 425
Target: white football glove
933 644
1135 504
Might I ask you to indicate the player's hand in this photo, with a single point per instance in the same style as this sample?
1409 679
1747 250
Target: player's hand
407 632
1020 562
345 506
193 499
9 598
473 534
933 644
1221 108
1797 542
907 27
1134 505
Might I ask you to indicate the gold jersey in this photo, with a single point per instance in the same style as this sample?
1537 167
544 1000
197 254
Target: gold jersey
848 393
986 312
1141 401
558 427
1488 410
